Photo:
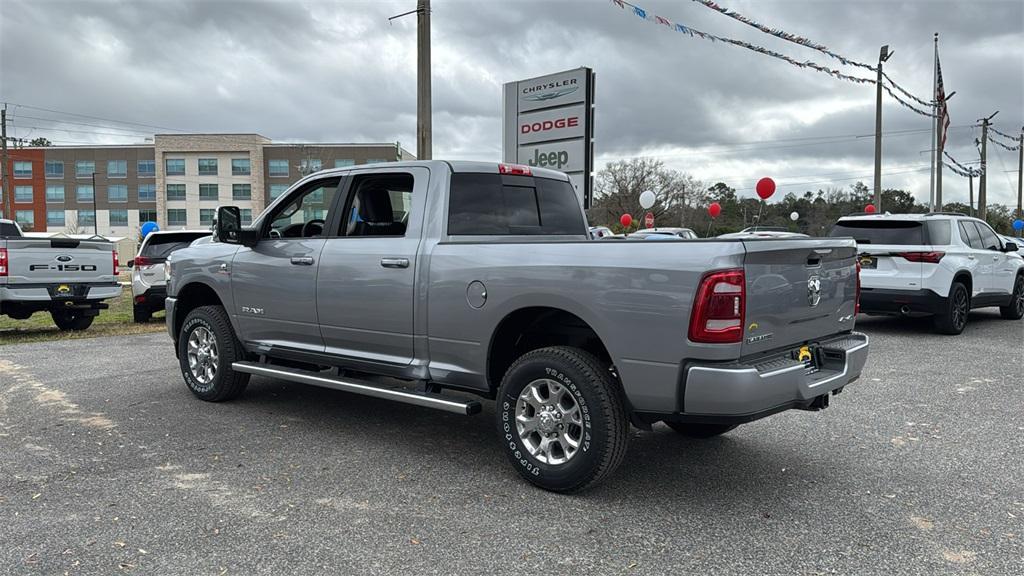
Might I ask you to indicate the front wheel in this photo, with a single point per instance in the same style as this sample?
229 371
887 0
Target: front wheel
561 419
75 320
953 319
207 347
1015 309
700 430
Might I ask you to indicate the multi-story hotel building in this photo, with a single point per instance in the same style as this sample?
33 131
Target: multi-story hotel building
177 181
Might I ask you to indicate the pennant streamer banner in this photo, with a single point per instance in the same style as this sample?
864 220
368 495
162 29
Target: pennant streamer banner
959 169
1003 134
783 34
694 33
1001 145
905 93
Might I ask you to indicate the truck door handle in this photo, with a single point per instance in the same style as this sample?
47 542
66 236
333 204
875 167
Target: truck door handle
394 262
970 256
302 260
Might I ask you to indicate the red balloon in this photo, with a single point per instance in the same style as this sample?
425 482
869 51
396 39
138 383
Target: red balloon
870 208
765 188
715 209
626 220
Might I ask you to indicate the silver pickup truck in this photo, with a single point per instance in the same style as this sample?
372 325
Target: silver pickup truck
409 280
67 277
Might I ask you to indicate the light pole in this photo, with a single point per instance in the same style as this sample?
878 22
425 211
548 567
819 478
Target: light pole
95 216
883 56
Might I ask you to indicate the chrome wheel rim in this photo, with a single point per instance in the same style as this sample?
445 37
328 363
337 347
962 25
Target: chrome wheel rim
959 308
549 421
202 355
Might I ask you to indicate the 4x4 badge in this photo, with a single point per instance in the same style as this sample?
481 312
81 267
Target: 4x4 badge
813 291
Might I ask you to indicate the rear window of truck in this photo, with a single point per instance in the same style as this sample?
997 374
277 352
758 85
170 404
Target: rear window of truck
894 232
498 205
8 230
161 245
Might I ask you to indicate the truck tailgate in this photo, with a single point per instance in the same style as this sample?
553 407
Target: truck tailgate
797 290
59 261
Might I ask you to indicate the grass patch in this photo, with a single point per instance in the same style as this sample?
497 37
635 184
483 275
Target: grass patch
115 321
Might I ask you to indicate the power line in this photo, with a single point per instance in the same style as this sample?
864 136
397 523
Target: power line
96 117
49 129
62 121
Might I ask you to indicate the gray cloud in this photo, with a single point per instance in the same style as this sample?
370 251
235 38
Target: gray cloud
338 71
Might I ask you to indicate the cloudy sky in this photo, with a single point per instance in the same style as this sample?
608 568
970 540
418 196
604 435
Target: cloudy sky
337 71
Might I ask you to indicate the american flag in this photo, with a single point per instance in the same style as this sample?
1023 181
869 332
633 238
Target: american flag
940 97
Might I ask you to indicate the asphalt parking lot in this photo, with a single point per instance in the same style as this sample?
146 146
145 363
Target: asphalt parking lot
109 465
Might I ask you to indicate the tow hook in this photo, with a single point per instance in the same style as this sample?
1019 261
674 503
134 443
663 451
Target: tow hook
820 402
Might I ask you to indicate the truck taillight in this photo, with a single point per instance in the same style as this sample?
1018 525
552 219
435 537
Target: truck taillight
856 302
929 257
142 261
3 261
516 169
719 308
116 264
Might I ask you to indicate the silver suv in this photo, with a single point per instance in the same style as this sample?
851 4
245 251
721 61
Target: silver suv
942 264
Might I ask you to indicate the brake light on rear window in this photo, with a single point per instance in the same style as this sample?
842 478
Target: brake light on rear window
929 257
719 308
116 264
516 169
3 261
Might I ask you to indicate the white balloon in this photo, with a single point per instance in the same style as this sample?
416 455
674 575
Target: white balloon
647 199
794 216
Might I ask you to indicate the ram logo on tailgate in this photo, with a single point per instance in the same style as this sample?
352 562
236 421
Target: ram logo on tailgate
813 291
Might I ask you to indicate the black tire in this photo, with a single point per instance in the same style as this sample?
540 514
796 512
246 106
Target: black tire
141 314
953 319
74 320
700 430
224 383
602 429
1015 309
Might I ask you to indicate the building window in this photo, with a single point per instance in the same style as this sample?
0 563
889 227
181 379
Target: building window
208 192
174 166
117 168
241 191
344 162
86 218
84 193
54 169
26 218
276 190
246 216
177 217
147 192
117 193
22 193
84 168
376 160
206 216
119 217
207 166
55 193
147 216
312 165
55 218
147 168
175 191
240 167
22 169
278 167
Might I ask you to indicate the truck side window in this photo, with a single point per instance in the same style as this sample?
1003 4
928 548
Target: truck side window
379 205
304 214
495 205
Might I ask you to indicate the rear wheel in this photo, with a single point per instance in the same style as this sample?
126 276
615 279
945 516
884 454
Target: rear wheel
700 430
207 347
561 419
71 319
141 314
1015 309
953 319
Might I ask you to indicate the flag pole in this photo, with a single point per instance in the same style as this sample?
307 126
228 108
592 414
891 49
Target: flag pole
935 123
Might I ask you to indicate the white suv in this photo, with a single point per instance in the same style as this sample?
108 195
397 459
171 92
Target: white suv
939 263
149 289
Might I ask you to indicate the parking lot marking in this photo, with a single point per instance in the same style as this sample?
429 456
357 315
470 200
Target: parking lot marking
49 398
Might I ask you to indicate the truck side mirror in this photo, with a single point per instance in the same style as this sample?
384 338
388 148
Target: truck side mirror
228 227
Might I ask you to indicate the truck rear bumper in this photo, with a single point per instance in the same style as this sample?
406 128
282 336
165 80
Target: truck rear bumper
747 391
47 292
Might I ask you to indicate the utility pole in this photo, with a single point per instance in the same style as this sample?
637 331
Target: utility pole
982 197
883 56
970 206
424 124
1020 177
3 175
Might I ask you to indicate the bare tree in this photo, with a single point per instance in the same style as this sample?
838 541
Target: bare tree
620 184
71 226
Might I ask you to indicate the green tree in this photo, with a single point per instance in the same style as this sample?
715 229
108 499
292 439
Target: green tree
40 142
